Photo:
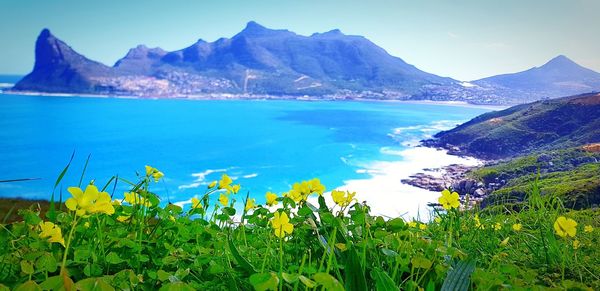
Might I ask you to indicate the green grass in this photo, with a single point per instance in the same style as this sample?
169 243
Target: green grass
219 247
570 174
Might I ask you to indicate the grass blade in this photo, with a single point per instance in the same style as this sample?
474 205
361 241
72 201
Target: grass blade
247 266
383 281
51 214
459 278
84 168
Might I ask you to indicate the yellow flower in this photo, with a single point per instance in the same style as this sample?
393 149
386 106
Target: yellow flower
504 242
154 173
89 202
224 200
212 184
478 222
52 232
412 224
497 226
225 183
281 224
236 188
157 175
422 226
449 200
196 203
517 227
271 198
116 202
342 198
316 186
588 228
123 218
565 227
576 244
295 195
437 219
134 198
250 204
301 191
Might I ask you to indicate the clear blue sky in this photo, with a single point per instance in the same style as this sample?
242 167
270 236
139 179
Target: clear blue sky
462 39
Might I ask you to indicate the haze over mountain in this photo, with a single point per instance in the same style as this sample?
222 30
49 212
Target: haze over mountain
558 77
259 62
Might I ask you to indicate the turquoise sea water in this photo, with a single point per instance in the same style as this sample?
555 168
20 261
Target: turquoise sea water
265 145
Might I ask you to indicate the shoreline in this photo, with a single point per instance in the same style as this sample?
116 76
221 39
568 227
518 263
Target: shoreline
389 196
250 97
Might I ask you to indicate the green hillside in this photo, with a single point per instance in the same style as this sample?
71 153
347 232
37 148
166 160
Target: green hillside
543 125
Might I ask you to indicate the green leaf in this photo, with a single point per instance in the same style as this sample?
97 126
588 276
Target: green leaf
163 275
230 211
264 281
327 218
396 224
389 252
27 267
93 284
329 282
46 262
308 282
57 283
182 273
459 277
92 270
176 286
28 286
215 268
355 276
421 262
304 211
113 258
245 264
290 278
82 255
322 204
3 288
383 281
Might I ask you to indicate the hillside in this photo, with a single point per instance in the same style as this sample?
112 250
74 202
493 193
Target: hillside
572 175
542 125
257 60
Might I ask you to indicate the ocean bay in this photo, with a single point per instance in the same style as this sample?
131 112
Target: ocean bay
264 145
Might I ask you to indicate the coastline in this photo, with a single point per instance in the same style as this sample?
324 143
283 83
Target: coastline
388 196
256 97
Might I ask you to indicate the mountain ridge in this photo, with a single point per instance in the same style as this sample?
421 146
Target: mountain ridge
259 61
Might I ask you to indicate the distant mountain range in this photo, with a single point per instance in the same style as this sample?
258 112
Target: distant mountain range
264 63
542 125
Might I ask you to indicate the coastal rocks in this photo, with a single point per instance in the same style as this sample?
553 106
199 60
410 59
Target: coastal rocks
425 181
453 176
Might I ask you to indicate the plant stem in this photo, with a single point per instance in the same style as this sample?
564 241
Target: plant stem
64 260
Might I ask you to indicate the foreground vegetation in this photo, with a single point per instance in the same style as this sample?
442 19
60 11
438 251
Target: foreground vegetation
225 241
571 174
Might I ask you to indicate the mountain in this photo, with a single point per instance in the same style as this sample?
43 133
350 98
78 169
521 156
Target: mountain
58 67
258 60
558 77
542 125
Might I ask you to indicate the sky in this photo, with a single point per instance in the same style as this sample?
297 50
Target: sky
462 39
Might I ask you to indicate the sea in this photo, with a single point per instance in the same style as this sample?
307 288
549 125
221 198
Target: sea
264 145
